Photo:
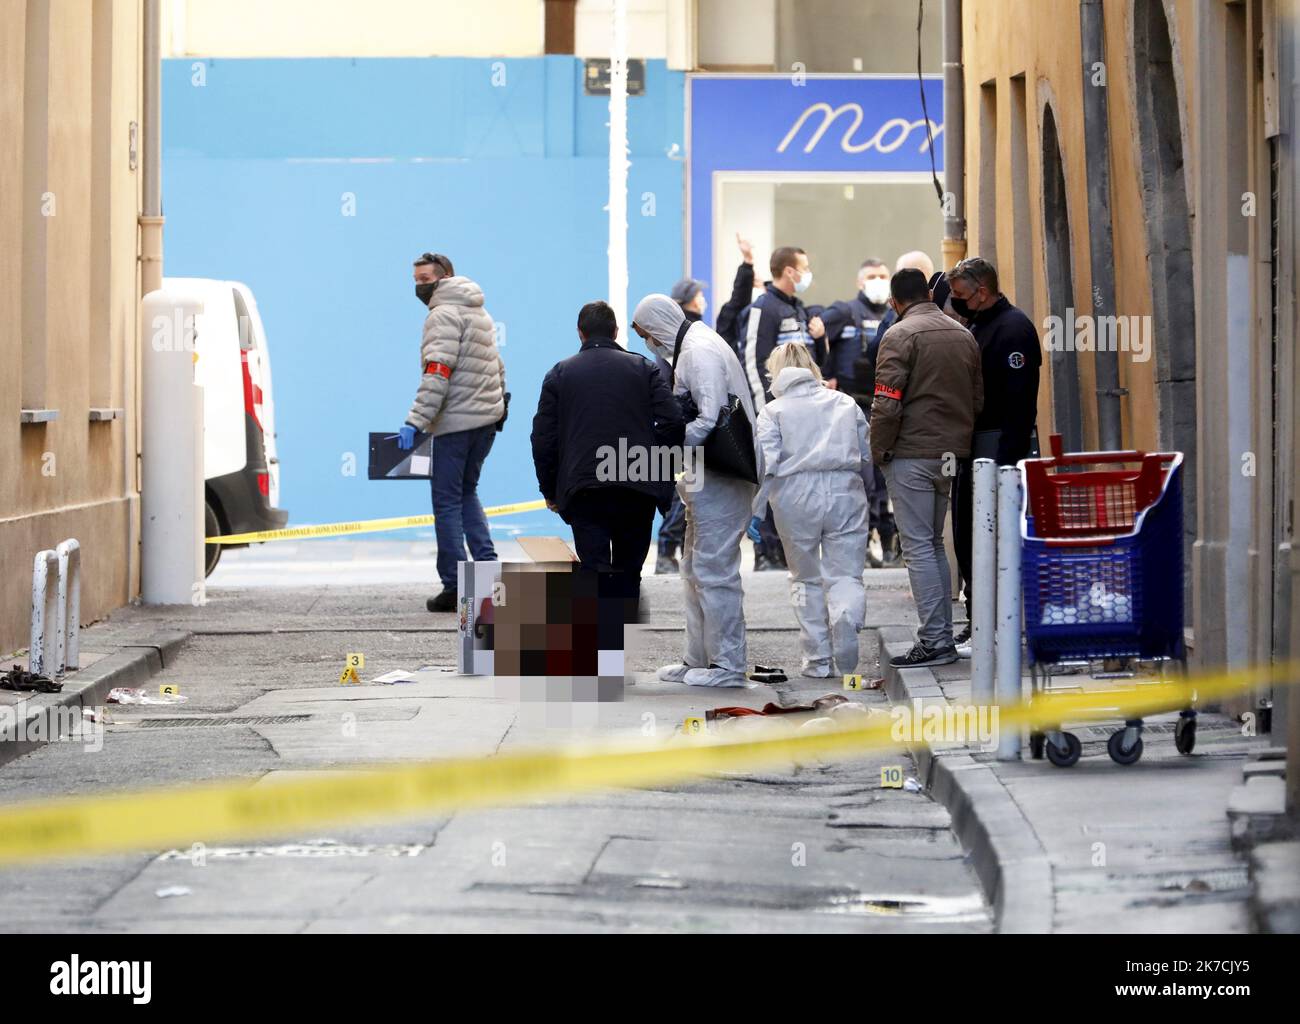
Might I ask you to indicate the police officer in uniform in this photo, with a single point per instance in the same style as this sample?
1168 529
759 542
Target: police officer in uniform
850 327
1012 360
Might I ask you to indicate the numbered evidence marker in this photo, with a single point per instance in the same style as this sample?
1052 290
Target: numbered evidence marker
354 662
891 777
169 690
853 683
695 727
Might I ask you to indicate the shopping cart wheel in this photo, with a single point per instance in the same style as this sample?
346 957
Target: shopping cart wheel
1036 740
1115 747
1185 735
1067 757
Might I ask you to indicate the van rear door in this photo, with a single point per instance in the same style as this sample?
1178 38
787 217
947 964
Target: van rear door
252 342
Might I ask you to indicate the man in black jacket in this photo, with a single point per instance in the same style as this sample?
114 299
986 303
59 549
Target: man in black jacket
742 294
777 317
606 443
1012 360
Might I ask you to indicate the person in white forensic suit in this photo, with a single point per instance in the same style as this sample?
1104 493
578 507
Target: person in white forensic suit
717 506
818 479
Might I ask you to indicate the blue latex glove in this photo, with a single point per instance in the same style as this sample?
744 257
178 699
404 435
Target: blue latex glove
752 532
406 438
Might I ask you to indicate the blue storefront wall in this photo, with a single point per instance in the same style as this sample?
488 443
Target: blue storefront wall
316 183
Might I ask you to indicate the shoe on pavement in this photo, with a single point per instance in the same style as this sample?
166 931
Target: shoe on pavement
761 563
813 671
844 639
666 565
921 656
892 552
721 678
444 602
673 673
962 642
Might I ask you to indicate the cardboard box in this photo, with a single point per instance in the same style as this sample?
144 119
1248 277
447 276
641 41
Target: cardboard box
480 588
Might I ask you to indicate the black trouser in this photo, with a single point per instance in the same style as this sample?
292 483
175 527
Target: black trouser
963 511
611 533
882 520
963 521
770 546
672 531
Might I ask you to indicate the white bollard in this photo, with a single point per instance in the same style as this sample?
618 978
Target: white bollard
1009 688
171 453
69 614
45 613
984 561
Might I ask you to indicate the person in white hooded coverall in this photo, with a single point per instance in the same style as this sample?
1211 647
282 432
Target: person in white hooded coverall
717 506
817 457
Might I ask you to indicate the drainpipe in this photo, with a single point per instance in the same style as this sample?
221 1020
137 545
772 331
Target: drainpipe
954 136
151 219
1096 135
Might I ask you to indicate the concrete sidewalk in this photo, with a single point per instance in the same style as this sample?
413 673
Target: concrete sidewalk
125 656
797 847
1097 847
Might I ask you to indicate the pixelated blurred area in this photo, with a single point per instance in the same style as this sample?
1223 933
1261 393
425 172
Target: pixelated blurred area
545 629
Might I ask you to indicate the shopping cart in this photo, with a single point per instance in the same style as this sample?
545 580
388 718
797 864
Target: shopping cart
1102 571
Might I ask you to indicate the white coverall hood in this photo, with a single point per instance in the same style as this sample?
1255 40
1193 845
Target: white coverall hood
789 377
717 506
660 317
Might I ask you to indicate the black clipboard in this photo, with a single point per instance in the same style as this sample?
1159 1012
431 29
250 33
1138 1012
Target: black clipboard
388 462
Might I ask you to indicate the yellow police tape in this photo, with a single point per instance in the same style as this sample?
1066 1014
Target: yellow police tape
361 526
164 818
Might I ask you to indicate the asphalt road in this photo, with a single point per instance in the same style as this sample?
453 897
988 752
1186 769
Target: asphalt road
813 847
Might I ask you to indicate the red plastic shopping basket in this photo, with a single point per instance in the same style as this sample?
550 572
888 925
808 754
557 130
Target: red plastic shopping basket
1066 502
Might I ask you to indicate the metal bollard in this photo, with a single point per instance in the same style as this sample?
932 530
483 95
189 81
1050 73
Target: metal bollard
45 612
984 560
1009 687
68 649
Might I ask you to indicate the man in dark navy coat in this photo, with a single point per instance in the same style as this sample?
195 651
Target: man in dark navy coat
607 442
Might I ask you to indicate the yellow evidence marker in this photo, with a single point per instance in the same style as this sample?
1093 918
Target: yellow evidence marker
891 777
354 662
853 683
169 690
695 727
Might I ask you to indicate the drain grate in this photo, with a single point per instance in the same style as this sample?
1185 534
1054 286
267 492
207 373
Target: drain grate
195 722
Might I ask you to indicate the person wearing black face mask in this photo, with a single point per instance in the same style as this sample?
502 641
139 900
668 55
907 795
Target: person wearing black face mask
462 402
1011 359
429 269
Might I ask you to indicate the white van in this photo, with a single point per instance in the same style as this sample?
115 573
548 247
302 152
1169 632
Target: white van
240 466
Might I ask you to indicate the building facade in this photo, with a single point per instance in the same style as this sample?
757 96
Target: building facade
1133 158
70 110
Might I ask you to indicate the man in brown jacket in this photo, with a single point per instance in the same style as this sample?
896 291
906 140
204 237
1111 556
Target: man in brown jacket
929 390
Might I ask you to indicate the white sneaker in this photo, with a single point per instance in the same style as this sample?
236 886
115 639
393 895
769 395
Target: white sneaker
673 673
716 677
964 651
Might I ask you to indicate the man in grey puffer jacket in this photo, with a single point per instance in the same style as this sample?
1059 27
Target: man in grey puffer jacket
460 401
